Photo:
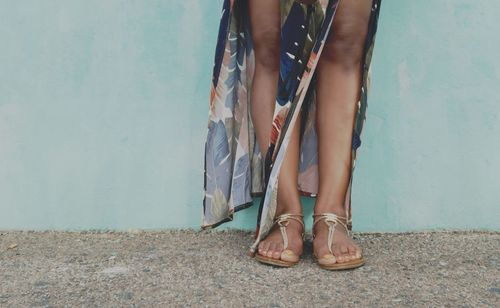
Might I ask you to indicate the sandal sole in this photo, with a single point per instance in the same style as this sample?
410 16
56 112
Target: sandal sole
275 262
343 266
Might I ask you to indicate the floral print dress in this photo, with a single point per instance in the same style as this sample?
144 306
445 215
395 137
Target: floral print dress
235 172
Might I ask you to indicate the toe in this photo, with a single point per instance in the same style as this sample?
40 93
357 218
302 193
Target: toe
328 259
359 254
271 250
345 253
265 248
344 249
288 255
353 252
338 254
261 248
277 251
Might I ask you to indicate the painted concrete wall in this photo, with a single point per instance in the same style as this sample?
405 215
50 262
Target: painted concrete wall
104 104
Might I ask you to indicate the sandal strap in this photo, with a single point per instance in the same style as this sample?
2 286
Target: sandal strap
283 220
331 220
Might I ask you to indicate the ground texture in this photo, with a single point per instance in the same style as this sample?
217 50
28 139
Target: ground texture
211 268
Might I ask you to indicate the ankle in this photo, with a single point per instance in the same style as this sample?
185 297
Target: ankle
288 211
338 210
288 207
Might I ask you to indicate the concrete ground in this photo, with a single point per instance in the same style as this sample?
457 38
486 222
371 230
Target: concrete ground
210 268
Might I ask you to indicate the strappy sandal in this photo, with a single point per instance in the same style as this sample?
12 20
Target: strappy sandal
288 258
332 220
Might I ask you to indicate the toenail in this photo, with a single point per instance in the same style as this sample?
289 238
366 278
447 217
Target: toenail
330 259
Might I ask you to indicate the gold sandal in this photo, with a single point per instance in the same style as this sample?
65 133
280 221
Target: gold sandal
332 220
288 258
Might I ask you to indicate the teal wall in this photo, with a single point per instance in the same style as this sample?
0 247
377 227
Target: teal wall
104 104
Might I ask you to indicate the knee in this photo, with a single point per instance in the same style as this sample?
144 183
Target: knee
345 46
267 48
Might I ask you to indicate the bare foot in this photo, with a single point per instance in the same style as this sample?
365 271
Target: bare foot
272 246
343 247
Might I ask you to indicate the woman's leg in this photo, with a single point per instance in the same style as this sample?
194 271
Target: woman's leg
338 87
266 35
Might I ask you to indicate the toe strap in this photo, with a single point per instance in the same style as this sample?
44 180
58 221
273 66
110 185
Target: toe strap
331 220
283 220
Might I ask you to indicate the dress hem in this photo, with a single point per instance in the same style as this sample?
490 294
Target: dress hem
246 205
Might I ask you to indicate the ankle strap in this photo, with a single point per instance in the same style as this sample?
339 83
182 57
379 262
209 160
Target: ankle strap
284 218
332 219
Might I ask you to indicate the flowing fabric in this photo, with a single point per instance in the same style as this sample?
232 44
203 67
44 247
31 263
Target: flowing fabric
235 171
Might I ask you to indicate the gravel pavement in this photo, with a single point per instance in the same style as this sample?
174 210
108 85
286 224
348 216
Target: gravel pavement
186 268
